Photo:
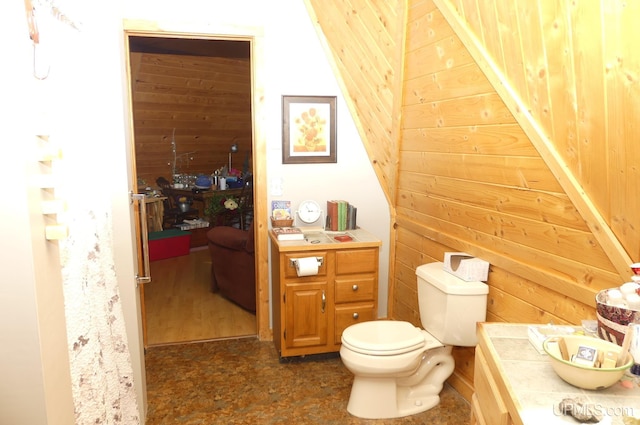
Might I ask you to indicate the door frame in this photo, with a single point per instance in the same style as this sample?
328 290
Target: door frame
259 150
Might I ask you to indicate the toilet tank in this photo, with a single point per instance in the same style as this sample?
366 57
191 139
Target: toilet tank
450 307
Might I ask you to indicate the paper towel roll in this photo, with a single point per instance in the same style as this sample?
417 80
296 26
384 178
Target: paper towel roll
307 266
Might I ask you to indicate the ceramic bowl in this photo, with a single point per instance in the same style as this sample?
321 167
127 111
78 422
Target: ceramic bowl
586 377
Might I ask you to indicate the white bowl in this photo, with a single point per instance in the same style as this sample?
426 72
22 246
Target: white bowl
586 377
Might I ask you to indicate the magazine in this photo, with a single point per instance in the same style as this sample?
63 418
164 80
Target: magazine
288 233
280 210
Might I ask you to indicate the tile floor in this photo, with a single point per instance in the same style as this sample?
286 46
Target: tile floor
242 381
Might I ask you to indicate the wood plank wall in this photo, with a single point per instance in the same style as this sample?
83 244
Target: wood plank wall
365 41
206 100
476 174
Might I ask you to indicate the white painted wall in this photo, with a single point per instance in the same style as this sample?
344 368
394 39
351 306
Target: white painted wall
90 78
296 65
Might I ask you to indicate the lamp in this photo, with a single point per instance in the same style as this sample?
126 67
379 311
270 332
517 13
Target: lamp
234 149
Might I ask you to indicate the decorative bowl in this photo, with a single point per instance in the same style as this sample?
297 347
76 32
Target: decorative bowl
613 320
582 376
203 182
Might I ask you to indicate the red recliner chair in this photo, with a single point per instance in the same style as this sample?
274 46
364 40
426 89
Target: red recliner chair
233 271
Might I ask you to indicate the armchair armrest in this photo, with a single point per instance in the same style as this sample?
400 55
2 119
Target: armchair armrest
228 237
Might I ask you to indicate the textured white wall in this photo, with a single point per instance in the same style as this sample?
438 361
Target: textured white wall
88 72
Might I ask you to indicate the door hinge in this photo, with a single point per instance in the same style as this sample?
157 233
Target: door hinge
285 334
284 298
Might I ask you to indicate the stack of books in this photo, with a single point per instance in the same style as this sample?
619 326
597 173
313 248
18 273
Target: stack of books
341 216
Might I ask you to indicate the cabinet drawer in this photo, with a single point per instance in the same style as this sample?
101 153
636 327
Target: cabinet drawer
290 267
488 396
350 314
355 289
357 261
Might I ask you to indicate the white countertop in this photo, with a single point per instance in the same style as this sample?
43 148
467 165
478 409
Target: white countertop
324 240
537 389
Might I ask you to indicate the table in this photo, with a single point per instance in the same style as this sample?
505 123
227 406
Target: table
201 196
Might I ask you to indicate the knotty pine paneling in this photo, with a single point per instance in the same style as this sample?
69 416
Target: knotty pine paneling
552 208
573 66
365 45
522 151
205 100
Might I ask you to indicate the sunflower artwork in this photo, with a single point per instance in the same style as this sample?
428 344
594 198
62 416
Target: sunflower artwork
310 130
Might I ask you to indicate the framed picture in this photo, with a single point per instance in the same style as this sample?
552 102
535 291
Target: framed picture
308 129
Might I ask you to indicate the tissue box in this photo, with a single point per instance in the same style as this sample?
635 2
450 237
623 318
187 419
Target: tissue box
466 267
538 333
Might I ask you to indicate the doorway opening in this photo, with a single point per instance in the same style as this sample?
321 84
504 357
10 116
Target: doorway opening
191 107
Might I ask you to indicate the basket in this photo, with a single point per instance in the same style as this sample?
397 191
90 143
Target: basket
283 222
612 320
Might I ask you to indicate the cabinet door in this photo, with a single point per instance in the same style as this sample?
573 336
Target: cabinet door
306 314
491 407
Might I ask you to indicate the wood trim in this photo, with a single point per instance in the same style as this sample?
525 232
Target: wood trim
254 35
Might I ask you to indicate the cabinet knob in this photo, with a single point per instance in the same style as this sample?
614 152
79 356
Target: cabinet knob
356 315
354 287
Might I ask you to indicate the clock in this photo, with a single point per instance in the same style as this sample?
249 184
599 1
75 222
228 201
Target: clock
309 211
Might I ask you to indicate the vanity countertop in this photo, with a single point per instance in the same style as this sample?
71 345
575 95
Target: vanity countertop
533 388
321 240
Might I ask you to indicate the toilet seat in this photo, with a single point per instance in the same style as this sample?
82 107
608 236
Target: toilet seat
386 338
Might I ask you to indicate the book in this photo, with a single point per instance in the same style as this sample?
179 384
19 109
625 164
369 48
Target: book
341 216
351 217
280 210
288 233
332 215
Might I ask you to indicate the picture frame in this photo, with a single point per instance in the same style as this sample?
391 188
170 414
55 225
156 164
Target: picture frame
309 129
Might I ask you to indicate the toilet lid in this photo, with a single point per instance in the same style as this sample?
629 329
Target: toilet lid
383 337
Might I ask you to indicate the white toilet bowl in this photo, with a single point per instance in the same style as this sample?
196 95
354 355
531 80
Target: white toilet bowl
398 369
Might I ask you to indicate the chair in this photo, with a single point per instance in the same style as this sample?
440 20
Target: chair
242 216
245 205
233 264
172 213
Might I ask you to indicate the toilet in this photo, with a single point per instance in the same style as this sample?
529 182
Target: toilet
399 369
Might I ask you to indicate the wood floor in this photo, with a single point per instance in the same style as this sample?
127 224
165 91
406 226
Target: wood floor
180 307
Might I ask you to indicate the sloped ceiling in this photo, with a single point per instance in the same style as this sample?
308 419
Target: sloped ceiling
365 41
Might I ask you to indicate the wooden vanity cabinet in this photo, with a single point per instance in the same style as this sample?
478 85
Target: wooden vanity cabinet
310 312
